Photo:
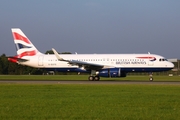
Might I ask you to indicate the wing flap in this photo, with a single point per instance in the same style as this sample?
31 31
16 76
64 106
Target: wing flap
86 65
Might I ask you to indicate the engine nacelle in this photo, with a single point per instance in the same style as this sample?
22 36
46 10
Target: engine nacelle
111 72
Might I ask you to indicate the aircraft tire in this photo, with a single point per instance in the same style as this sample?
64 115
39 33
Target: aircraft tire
151 79
91 78
96 78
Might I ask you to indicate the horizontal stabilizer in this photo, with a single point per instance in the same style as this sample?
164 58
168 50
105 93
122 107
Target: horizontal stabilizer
15 59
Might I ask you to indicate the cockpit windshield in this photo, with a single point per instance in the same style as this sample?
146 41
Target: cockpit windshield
163 59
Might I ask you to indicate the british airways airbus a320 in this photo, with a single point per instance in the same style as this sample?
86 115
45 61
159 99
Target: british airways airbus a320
98 65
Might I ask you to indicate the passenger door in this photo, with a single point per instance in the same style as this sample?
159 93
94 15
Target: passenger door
40 60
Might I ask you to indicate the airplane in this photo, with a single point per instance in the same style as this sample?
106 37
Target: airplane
97 65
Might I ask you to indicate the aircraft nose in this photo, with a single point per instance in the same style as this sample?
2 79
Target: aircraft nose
171 65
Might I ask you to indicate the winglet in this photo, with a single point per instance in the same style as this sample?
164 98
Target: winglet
57 55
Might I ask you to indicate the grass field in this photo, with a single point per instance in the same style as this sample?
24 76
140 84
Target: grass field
89 102
84 77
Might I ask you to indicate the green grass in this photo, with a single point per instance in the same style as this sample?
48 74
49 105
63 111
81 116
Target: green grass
84 77
89 102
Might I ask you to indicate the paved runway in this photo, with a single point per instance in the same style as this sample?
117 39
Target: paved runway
89 82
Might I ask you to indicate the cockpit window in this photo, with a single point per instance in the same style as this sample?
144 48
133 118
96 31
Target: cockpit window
163 59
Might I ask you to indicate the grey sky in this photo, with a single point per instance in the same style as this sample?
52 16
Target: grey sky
94 26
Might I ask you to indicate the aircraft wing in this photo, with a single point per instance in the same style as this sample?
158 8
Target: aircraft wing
87 66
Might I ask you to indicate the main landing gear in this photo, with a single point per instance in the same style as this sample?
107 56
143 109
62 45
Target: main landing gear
94 78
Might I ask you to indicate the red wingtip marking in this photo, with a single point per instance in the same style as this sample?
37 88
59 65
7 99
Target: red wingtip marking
20 37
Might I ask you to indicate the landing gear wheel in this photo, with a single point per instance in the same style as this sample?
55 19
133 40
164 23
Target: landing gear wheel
151 76
151 79
91 78
96 78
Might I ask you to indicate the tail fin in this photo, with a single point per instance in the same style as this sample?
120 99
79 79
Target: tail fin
23 44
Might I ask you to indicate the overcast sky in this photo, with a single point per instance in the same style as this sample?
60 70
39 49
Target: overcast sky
94 26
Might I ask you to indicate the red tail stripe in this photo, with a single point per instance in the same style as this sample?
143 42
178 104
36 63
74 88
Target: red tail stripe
27 53
20 37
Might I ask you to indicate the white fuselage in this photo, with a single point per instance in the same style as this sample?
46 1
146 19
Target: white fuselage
129 61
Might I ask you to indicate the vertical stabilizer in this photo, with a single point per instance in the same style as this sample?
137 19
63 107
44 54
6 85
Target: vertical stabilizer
23 44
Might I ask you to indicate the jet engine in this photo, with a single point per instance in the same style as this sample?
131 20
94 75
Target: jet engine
111 72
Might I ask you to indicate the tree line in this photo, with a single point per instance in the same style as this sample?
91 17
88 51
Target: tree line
9 68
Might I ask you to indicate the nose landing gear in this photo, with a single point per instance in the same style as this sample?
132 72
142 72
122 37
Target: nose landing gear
151 76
